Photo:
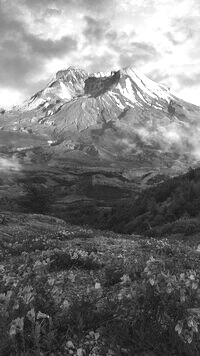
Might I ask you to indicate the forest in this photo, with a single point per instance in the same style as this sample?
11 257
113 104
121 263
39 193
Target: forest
171 207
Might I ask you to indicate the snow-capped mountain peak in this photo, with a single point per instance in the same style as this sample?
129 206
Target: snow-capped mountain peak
118 115
127 86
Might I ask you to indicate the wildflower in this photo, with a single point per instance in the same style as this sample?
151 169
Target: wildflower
41 315
80 352
187 283
72 277
179 327
16 326
169 288
31 315
120 296
96 335
188 337
16 305
152 281
97 285
125 279
70 345
37 264
182 276
91 333
2 269
182 295
192 324
66 304
51 281
194 285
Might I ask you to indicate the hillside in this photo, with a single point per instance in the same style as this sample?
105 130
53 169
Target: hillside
68 290
168 208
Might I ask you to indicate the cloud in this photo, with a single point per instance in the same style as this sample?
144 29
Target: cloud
47 47
189 80
159 38
136 55
93 5
102 62
23 54
179 38
95 29
22 59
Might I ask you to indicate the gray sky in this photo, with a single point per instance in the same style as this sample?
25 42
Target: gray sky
161 38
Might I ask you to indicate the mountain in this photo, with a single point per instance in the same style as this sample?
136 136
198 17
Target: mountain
116 116
102 136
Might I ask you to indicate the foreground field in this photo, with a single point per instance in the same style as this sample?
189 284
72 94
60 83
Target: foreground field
66 290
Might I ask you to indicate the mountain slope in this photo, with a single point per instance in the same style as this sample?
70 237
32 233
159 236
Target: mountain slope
169 208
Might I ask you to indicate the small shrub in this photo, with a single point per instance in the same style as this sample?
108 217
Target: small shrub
62 260
113 274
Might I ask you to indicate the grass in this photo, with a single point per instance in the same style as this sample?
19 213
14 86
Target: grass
77 291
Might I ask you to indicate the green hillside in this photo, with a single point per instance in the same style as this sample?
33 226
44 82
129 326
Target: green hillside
68 290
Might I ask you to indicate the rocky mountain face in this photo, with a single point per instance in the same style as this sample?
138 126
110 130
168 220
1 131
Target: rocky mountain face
98 137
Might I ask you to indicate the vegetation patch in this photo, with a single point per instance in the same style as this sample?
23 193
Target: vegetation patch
106 295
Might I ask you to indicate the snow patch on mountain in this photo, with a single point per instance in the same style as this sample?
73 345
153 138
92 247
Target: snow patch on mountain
128 91
64 92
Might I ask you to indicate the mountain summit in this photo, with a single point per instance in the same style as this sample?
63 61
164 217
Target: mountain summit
127 88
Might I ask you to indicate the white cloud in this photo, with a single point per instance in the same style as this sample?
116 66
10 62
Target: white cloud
10 97
169 32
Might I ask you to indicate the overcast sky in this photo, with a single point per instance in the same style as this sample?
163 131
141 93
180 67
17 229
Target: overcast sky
161 38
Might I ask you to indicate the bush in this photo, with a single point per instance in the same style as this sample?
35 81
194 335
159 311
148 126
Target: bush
113 274
62 260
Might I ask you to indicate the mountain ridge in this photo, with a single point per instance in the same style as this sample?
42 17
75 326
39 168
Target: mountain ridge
71 83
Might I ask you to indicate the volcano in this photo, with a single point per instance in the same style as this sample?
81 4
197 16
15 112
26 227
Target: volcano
116 117
101 136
